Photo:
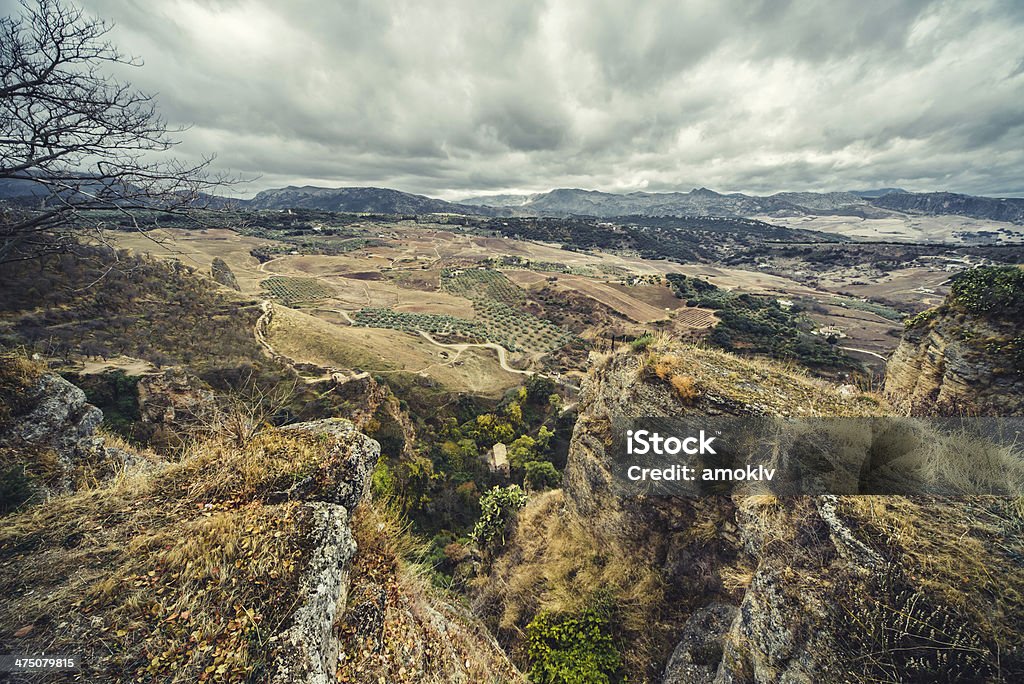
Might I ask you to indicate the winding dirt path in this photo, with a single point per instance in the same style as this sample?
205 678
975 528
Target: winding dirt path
463 346
865 351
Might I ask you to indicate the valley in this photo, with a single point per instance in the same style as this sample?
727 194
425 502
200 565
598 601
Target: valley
402 288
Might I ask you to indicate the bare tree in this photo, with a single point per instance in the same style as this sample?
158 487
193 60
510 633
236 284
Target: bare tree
77 145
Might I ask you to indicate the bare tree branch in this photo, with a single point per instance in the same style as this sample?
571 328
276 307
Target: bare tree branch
76 144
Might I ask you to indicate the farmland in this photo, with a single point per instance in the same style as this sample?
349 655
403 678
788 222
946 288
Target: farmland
292 291
374 284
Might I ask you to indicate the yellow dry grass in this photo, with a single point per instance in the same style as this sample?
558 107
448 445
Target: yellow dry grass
761 386
398 627
963 552
181 574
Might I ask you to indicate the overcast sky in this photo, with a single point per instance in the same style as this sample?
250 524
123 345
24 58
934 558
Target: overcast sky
453 99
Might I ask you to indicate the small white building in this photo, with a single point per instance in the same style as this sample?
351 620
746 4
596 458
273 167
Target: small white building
497 459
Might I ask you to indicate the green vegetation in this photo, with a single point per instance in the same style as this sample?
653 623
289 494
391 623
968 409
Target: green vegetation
757 324
117 395
996 291
497 509
921 319
481 283
642 342
495 299
411 322
572 648
541 475
291 291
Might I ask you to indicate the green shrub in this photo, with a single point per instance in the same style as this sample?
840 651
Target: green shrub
920 319
641 343
995 290
572 649
541 475
497 508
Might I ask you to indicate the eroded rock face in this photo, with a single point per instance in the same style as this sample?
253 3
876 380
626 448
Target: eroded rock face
309 646
170 405
56 420
823 586
948 365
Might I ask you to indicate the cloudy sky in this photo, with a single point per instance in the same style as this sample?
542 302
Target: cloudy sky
453 99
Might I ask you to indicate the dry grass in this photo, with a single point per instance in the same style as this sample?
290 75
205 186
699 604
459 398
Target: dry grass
180 575
962 552
18 373
556 563
398 627
753 385
685 387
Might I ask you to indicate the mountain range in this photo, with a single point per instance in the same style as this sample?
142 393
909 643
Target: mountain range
697 202
576 202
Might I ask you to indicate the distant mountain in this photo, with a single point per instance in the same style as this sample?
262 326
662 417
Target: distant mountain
357 200
12 188
565 202
703 202
872 194
697 202
989 208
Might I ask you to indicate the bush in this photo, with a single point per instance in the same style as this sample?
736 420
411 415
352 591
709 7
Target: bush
497 508
990 290
685 387
641 343
541 475
572 649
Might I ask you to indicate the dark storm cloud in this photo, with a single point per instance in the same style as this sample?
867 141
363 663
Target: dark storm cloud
455 98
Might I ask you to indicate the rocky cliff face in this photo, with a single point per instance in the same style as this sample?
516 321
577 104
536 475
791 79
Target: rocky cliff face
759 588
940 367
954 360
48 429
234 563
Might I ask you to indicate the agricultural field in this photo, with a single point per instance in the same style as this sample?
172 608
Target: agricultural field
537 299
305 338
496 300
621 301
292 291
481 283
413 322
695 317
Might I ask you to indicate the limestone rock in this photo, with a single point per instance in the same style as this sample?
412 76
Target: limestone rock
696 658
223 274
350 457
949 363
308 651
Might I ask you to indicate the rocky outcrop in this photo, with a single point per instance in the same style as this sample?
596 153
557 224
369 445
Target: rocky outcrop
51 432
222 273
171 405
765 588
309 647
950 362
696 658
